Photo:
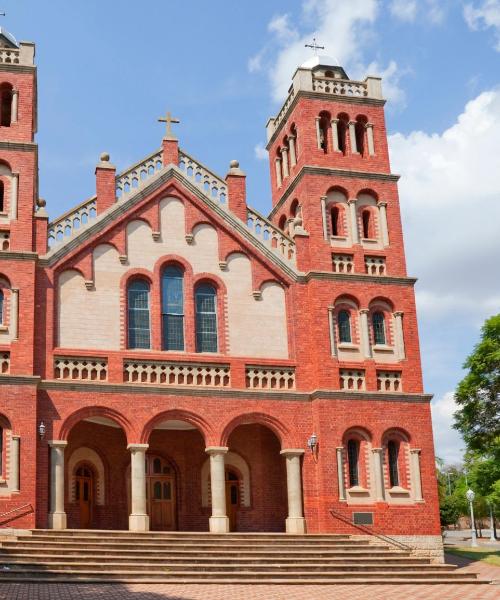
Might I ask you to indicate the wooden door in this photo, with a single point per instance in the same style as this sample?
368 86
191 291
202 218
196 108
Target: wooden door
232 499
84 495
161 494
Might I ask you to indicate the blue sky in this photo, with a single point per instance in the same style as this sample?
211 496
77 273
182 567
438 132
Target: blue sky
107 70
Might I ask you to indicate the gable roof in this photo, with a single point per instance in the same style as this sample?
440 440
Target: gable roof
75 227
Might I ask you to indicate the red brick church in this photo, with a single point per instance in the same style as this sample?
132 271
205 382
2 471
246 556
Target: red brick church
171 359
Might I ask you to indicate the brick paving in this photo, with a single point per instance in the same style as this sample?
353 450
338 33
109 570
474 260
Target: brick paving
61 591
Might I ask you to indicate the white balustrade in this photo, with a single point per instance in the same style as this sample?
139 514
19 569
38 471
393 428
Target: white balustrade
137 176
270 235
177 374
211 185
284 109
269 378
352 379
340 87
343 263
375 265
4 363
9 56
389 381
62 229
80 369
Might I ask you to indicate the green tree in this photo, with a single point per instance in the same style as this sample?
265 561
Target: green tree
478 394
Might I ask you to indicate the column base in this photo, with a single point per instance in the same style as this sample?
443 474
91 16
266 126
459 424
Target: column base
57 520
138 523
295 525
218 524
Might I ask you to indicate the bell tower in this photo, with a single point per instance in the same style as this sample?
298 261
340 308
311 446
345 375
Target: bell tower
329 161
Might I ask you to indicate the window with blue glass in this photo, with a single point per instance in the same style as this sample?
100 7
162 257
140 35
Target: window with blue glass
138 315
378 321
172 308
344 323
206 317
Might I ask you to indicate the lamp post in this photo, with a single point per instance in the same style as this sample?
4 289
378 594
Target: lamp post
492 523
470 495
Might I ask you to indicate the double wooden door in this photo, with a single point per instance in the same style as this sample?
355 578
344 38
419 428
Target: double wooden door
161 494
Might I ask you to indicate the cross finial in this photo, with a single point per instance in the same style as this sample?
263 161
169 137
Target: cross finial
168 119
314 47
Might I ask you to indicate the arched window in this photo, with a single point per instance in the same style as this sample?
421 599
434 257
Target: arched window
335 220
1 307
138 315
378 321
329 74
366 218
172 292
324 126
343 119
353 462
206 318
282 223
393 455
2 196
344 322
360 129
6 105
1 451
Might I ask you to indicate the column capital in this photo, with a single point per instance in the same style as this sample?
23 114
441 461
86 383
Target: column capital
317 118
382 203
138 447
324 198
15 436
377 450
284 149
57 443
364 311
292 452
334 120
415 450
367 125
277 159
292 136
341 448
351 122
216 450
398 313
352 201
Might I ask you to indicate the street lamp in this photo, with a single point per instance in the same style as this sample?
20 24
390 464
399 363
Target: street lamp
470 495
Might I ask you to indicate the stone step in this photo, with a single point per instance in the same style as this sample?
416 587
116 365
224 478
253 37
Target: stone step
180 534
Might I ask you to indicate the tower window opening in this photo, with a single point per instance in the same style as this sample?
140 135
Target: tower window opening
336 220
342 132
393 452
6 106
324 125
353 460
2 196
344 324
378 321
367 224
360 129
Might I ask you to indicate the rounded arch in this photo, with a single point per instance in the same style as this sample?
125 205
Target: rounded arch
337 193
4 282
172 260
275 425
96 411
89 456
178 415
236 255
5 168
346 299
357 432
382 303
5 421
237 462
134 275
294 207
367 196
395 433
212 279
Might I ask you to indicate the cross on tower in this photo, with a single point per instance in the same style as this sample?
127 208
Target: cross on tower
314 46
168 119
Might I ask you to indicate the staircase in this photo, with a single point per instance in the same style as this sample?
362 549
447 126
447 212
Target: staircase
86 556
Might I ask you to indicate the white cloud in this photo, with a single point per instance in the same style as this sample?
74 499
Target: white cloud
345 29
447 440
450 199
260 152
483 15
405 10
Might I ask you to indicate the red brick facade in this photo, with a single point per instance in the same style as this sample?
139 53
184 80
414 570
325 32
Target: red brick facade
362 389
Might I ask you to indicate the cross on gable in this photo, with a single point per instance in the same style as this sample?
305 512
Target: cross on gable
314 46
168 119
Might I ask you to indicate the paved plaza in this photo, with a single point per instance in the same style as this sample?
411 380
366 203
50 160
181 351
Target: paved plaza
34 591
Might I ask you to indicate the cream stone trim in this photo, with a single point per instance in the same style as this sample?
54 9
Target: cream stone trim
232 460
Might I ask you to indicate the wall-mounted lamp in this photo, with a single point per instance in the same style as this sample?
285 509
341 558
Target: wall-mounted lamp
312 442
41 430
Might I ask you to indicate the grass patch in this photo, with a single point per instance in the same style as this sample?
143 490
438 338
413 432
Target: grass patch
492 557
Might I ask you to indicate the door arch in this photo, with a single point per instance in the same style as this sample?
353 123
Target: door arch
84 494
161 493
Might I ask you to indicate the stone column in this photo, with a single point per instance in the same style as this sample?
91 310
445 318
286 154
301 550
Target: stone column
369 137
219 522
278 172
365 332
284 158
15 104
383 222
400 341
378 470
293 151
318 133
335 135
415 474
138 519
14 313
323 216
352 137
331 329
14 482
14 182
57 516
295 522
354 221
340 472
